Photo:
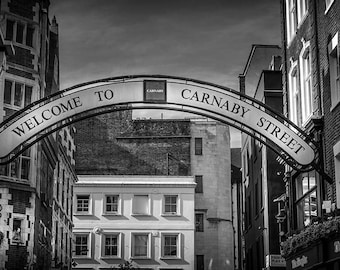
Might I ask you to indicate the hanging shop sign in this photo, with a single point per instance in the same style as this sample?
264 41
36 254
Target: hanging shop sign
178 94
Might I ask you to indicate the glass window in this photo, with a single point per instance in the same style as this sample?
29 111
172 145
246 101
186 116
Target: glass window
82 247
199 222
9 29
306 199
29 36
291 19
306 83
111 204
293 93
17 94
83 202
141 205
19 32
140 246
302 6
111 245
170 204
198 146
199 183
19 168
170 245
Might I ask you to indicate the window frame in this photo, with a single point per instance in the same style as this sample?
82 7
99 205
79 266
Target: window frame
88 244
119 205
198 146
293 92
178 245
300 197
133 205
15 169
291 20
80 213
24 87
119 244
302 11
148 247
334 70
196 227
199 184
178 205
26 38
306 83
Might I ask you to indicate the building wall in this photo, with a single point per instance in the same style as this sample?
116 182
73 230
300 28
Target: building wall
114 144
216 242
97 223
27 190
328 25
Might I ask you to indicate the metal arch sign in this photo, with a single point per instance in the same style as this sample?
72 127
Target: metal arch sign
140 92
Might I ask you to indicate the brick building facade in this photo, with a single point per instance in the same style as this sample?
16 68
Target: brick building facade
310 43
27 184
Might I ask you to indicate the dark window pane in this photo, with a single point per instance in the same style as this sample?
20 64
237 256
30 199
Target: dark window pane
18 94
199 183
29 36
28 95
199 222
198 146
9 30
20 33
8 92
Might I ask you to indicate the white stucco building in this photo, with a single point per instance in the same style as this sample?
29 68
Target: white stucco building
146 219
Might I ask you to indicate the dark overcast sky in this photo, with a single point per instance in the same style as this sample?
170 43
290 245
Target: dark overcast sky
209 40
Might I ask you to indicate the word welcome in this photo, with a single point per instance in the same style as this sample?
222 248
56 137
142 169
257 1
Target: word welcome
46 115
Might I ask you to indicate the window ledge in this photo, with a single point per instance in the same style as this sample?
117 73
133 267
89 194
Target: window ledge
171 215
84 257
82 214
170 258
112 214
140 258
141 215
111 257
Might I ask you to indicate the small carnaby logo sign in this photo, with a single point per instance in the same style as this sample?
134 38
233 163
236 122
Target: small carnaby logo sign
299 262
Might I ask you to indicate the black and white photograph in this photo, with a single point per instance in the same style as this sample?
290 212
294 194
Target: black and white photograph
170 134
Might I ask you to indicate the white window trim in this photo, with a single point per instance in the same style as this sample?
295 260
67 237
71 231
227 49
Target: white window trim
149 206
335 93
179 244
291 33
77 213
304 51
119 249
301 7
89 244
293 93
329 6
132 245
336 151
119 210
178 206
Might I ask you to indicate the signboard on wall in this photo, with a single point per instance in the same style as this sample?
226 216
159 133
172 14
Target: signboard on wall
155 90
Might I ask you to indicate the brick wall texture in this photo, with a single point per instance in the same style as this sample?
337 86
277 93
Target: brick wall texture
328 25
115 144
